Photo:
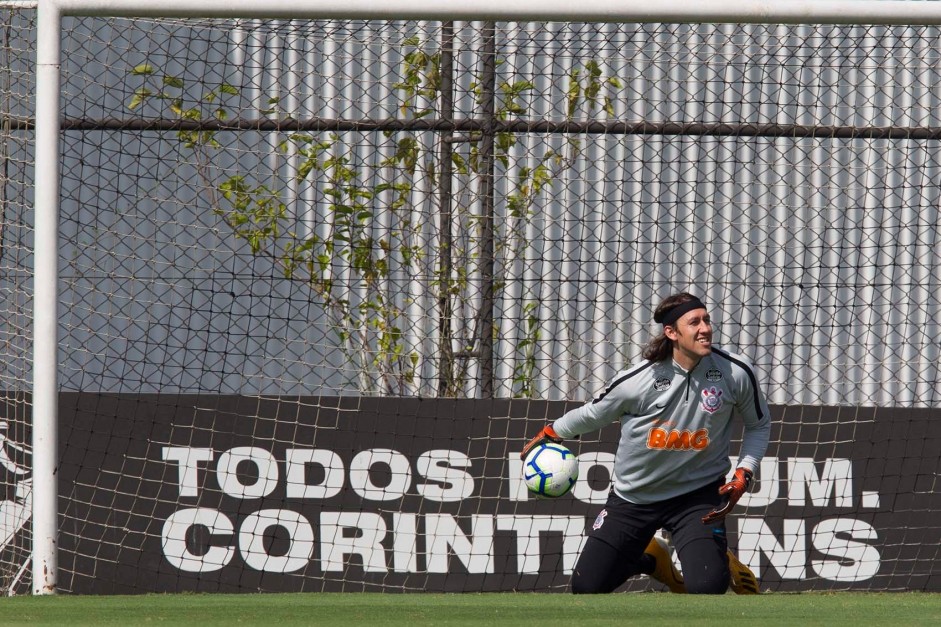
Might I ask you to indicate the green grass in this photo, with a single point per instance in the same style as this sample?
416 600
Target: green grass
523 609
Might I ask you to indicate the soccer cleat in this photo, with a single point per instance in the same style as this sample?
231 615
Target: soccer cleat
664 571
743 580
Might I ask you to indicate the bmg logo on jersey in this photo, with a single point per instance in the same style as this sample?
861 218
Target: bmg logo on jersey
675 439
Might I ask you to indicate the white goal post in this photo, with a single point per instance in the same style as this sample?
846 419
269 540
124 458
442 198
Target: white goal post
47 308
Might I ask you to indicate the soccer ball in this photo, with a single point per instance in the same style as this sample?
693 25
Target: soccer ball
550 470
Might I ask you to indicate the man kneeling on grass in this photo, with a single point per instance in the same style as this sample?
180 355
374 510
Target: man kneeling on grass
677 409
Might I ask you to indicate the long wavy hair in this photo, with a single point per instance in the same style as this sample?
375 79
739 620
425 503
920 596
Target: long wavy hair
660 347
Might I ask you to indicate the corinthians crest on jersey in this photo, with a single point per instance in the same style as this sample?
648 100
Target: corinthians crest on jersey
712 399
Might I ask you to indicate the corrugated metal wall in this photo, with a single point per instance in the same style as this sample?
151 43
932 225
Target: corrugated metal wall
819 256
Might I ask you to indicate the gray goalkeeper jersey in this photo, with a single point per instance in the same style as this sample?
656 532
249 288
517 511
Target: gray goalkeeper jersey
676 426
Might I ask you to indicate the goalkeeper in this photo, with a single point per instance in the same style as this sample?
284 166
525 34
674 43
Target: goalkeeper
676 411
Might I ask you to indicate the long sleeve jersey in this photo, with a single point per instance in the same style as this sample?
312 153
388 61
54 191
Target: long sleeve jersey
676 426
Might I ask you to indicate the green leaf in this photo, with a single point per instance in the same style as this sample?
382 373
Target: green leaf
144 69
140 95
173 81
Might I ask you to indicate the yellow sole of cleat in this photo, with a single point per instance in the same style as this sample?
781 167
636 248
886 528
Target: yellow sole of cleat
743 580
665 572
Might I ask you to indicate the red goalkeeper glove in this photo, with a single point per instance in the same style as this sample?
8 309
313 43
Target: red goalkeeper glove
547 434
733 490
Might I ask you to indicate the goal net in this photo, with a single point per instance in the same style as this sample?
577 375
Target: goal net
17 83
319 280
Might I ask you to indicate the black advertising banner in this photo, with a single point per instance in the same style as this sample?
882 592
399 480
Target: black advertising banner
230 493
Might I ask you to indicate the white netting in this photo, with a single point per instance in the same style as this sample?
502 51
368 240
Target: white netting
336 241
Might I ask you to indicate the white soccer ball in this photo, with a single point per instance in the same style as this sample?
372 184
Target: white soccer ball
550 470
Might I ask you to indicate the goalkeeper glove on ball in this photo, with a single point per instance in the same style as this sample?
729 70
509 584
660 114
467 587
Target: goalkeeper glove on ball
547 434
733 490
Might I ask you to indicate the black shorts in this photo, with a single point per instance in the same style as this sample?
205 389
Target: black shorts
628 527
